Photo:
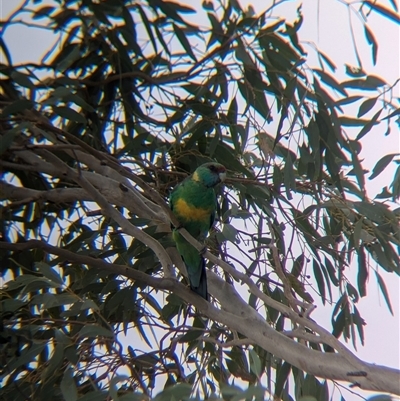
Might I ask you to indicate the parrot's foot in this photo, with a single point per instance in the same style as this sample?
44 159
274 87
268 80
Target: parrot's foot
203 251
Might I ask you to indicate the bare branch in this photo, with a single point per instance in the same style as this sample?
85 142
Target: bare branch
109 211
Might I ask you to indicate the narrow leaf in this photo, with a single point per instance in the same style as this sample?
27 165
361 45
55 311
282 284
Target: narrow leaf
92 330
48 272
384 290
22 79
328 61
68 387
393 114
320 280
184 42
383 11
255 363
16 107
372 41
382 164
367 127
282 375
69 114
330 81
362 275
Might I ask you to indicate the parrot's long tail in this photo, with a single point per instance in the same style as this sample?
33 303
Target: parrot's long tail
201 289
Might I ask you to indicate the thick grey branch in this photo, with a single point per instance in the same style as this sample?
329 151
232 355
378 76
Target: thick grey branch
59 195
115 191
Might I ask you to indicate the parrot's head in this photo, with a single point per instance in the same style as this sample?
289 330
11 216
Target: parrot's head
210 174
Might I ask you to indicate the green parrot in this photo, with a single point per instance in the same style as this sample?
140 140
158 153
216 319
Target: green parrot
193 202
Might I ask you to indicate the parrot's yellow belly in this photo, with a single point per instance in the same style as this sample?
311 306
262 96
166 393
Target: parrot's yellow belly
190 212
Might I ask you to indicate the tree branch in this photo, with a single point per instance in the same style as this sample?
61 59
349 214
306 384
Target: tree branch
109 211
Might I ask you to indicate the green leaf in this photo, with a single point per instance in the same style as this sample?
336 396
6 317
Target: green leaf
68 386
372 41
233 112
11 305
39 283
383 11
179 391
372 211
226 156
396 185
130 397
357 232
331 272
70 114
328 282
55 361
92 330
147 26
179 7
353 122
113 385
49 272
7 139
352 292
298 265
320 280
255 363
327 60
27 356
357 167
371 82
330 81
97 395
22 79
289 177
282 375
366 106
384 194
384 290
367 127
347 100
73 54
233 125
184 42
362 275
382 164
17 107
359 322
229 232
393 114
80 102
5 50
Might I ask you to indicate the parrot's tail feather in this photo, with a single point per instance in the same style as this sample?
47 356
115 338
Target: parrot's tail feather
201 289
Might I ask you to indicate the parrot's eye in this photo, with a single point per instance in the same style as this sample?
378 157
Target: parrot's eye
212 168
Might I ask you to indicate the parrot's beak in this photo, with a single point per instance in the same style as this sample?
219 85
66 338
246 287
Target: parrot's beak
222 176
